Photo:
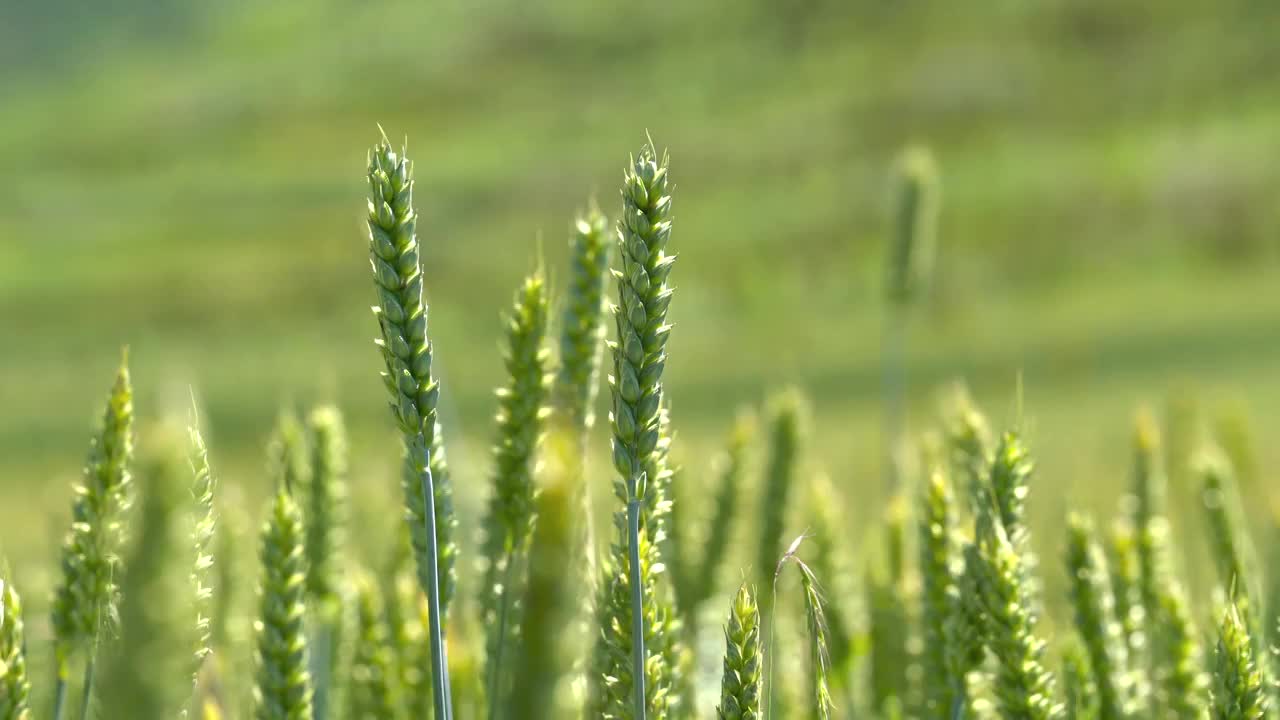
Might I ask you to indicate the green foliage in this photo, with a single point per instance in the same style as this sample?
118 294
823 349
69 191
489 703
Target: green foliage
15 687
742 681
86 597
282 690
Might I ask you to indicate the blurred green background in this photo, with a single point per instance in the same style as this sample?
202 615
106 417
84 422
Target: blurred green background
186 178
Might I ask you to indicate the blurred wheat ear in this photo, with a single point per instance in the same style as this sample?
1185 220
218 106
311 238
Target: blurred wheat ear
15 687
282 689
85 599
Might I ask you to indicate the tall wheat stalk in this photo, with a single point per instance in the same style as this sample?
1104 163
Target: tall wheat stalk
406 352
86 597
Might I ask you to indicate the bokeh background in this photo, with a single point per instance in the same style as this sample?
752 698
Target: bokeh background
187 179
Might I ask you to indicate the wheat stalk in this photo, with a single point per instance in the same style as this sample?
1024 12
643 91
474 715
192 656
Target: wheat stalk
324 510
510 519
787 413
406 352
15 688
87 595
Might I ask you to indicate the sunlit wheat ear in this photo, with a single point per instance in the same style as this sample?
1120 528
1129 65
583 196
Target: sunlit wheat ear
639 357
414 394
1095 620
1175 648
582 323
509 522
203 529
85 599
549 602
915 217
394 257
787 425
282 688
374 688
969 443
1122 564
742 681
1023 687
15 688
729 469
1238 690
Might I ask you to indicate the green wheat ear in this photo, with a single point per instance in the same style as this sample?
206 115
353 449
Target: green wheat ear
374 686
742 682
203 529
915 218
1239 692
509 523
1231 549
787 419
282 689
407 354
582 329
729 468
937 559
85 599
326 503
15 688
1095 620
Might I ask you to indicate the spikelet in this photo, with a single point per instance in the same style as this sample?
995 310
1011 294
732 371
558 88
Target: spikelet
1239 692
787 418
407 354
915 217
540 665
373 693
509 523
1096 621
742 681
86 597
582 328
15 688
282 689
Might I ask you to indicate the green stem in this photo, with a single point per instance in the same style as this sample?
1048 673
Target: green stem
60 692
495 665
87 695
439 660
321 667
957 705
637 605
